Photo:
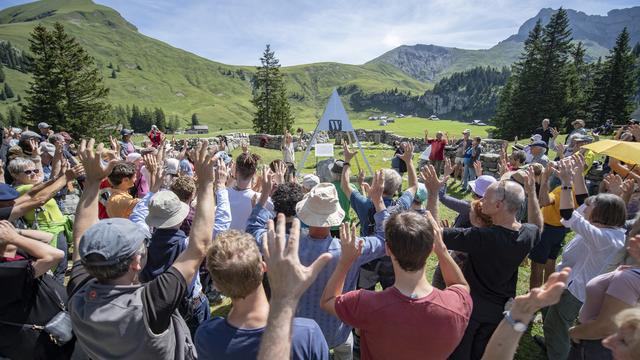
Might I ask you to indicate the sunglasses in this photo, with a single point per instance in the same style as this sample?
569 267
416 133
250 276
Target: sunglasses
34 171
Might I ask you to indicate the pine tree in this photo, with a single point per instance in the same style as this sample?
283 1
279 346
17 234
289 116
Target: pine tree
3 120
18 98
273 114
113 74
43 95
14 118
579 86
67 88
110 66
194 119
556 48
615 83
3 97
159 119
8 91
2 77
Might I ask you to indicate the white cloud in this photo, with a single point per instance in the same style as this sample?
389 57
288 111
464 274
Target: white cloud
354 31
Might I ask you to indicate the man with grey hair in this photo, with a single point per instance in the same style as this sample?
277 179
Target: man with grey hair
494 253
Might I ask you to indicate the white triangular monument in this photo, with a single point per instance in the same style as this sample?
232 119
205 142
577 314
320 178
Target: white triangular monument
335 118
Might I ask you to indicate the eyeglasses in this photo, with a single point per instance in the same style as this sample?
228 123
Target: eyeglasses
34 171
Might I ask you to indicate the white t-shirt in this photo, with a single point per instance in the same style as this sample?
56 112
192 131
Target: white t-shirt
240 204
289 153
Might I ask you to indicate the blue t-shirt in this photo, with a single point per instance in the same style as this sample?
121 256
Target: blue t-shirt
217 339
185 167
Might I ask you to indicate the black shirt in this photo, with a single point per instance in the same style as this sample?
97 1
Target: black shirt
5 212
495 253
160 297
546 134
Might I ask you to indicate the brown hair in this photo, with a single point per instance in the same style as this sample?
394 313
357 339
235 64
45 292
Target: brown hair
122 170
246 165
608 210
184 187
409 237
476 208
235 264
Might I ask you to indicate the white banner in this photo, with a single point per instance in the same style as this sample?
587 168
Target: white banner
324 150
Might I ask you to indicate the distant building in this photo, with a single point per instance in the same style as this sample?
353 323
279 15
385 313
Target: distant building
197 129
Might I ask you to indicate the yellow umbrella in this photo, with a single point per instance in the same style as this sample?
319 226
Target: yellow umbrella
628 152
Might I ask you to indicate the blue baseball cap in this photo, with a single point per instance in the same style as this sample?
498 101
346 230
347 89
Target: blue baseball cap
421 194
114 239
8 193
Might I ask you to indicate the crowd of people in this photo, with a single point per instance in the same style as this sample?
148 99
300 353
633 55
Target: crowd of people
118 251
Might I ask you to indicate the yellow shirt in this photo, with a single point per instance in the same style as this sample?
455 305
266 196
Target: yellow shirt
51 213
551 213
589 158
120 204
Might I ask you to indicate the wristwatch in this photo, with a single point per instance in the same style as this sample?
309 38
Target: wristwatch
517 325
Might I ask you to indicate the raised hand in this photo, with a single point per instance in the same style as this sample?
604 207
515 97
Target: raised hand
203 162
439 248
503 167
530 181
566 172
524 306
113 143
613 183
407 155
90 159
245 147
74 172
578 164
560 150
35 148
448 167
431 181
281 170
554 132
350 244
222 172
477 166
348 154
288 278
628 186
268 181
361 177
377 187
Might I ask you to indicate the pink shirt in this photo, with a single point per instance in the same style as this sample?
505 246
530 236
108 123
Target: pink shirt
394 326
623 285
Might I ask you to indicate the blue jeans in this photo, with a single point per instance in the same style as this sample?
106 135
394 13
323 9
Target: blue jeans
469 174
197 312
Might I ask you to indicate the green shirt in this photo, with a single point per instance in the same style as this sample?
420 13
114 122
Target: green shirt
345 204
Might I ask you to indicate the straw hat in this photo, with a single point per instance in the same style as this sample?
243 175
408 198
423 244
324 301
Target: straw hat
320 207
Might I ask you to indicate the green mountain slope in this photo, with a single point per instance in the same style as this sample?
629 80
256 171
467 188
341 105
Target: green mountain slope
155 74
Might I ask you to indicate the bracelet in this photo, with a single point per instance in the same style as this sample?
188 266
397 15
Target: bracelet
569 187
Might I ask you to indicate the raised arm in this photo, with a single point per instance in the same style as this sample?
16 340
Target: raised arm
200 237
534 214
87 210
504 341
223 208
346 170
45 255
351 247
407 157
433 185
288 280
543 196
257 222
450 270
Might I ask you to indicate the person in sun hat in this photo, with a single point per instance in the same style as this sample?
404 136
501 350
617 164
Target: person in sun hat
126 144
538 150
320 210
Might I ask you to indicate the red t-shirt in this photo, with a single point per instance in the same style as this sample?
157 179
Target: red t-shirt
437 149
103 197
394 326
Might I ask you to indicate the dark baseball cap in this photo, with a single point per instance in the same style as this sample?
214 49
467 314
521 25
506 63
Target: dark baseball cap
539 143
125 132
8 193
114 239
337 166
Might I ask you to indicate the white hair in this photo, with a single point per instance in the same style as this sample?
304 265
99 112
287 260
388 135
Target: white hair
392 181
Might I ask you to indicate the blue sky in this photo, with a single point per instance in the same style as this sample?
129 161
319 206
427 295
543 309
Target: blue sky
305 31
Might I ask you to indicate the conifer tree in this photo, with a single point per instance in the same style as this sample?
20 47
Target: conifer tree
194 120
3 120
66 88
615 83
8 91
2 77
273 114
113 74
3 97
14 118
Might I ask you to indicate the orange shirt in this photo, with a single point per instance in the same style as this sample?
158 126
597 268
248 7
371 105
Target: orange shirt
120 204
